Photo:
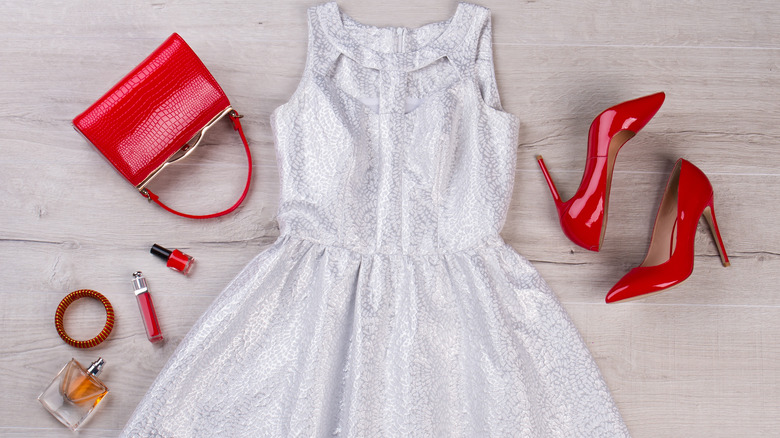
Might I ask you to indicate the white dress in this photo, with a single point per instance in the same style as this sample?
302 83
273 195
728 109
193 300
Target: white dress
389 306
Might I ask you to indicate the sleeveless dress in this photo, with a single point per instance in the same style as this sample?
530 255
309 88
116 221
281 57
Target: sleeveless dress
389 306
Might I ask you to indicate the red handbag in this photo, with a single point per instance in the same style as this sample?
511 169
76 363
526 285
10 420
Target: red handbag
158 115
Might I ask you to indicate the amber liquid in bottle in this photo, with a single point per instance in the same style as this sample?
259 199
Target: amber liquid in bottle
81 388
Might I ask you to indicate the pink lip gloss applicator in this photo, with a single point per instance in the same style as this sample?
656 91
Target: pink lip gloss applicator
146 306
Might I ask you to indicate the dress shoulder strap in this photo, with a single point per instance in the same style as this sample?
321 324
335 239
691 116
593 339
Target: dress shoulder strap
319 54
322 53
485 68
475 55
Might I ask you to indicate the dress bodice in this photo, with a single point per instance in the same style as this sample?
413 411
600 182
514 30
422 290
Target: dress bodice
395 141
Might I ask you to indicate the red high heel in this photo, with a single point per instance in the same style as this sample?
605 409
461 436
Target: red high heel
584 216
669 259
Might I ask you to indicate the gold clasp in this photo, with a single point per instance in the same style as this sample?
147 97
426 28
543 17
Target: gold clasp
185 150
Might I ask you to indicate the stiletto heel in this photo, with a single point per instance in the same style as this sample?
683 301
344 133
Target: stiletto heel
583 218
669 260
551 184
709 215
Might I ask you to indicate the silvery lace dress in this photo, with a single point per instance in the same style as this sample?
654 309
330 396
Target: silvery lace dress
389 305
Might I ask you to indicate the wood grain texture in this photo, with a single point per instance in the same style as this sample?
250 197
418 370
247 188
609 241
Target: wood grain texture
702 360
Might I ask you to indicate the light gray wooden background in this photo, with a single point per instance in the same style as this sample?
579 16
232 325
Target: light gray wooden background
702 360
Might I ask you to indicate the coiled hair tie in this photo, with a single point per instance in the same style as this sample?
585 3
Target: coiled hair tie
67 301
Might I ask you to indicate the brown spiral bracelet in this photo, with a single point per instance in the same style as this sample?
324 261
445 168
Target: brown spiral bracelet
70 298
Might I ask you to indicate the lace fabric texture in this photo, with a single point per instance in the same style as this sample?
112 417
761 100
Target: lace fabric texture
389 305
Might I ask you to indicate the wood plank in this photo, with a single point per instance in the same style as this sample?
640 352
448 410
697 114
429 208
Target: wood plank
88 431
713 109
751 23
692 371
71 247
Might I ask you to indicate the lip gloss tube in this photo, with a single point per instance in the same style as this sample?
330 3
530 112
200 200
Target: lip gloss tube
175 259
146 306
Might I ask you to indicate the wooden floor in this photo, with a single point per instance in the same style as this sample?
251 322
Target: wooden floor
702 360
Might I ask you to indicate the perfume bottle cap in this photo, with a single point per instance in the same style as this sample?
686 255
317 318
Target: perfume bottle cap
161 252
96 367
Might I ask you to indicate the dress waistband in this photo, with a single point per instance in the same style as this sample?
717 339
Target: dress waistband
488 242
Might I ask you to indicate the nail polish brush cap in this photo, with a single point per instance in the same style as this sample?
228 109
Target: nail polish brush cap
161 252
175 259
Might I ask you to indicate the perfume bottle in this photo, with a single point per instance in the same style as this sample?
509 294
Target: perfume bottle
75 393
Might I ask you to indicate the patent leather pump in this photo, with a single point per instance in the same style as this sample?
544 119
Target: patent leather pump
584 217
669 259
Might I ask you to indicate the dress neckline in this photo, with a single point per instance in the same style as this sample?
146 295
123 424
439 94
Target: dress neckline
333 21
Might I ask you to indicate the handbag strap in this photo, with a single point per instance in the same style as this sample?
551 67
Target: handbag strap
234 117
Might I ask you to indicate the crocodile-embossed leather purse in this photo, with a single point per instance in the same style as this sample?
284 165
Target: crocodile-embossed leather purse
158 115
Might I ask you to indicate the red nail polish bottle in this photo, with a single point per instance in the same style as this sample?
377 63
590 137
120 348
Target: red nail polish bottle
145 304
177 260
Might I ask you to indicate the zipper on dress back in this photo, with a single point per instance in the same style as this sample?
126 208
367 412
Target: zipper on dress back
400 39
